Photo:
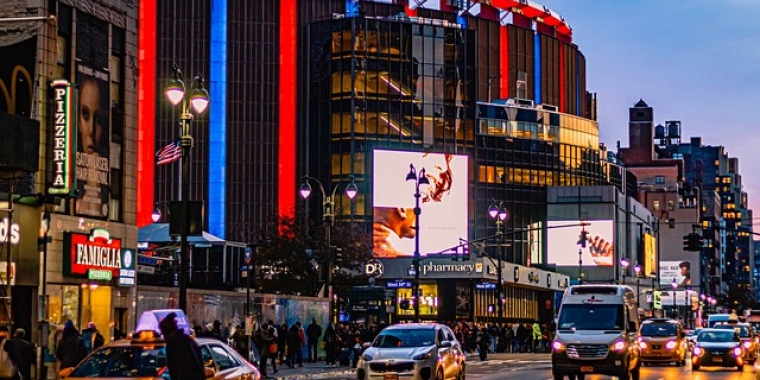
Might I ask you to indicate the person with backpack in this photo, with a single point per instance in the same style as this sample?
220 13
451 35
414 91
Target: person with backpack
8 360
71 349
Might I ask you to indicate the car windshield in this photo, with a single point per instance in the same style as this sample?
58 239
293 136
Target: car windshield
405 338
742 330
715 336
658 329
591 317
131 361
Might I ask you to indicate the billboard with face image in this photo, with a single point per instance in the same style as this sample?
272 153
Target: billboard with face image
443 204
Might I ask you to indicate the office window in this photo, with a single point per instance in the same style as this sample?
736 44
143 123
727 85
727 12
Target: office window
660 179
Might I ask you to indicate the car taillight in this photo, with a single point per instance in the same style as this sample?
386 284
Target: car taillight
670 345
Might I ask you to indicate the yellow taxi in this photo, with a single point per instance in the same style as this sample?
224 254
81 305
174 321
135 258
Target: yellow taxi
663 340
144 356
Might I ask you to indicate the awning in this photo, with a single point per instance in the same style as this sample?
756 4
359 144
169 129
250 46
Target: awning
158 233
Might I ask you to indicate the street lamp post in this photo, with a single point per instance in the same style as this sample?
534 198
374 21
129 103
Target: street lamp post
419 180
653 277
624 263
580 266
674 284
500 214
44 325
637 272
328 216
198 101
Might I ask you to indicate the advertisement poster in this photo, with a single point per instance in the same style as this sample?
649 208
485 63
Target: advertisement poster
650 255
443 218
463 299
563 247
678 270
92 119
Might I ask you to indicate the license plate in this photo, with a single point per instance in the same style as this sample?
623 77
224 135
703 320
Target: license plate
718 360
390 376
587 369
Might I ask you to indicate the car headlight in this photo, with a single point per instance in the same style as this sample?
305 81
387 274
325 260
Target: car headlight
423 356
367 357
643 344
698 351
737 351
558 346
670 345
618 346
747 344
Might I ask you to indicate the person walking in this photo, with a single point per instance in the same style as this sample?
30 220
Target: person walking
183 355
92 338
330 338
26 355
481 340
292 342
71 349
537 336
313 332
10 353
240 341
268 347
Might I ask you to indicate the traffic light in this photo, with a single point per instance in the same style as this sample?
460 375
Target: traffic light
583 238
687 242
657 304
338 255
693 242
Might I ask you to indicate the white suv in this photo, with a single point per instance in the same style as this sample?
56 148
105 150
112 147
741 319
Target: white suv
414 351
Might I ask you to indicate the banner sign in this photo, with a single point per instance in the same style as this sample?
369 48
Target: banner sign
64 144
91 255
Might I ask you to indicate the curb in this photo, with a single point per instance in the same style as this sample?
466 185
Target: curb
315 374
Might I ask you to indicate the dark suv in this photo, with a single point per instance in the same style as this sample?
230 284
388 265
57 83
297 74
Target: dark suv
747 335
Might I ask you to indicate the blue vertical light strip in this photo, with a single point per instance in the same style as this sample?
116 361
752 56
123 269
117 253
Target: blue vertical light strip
537 68
217 134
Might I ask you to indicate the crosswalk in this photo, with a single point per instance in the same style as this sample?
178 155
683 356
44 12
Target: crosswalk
475 362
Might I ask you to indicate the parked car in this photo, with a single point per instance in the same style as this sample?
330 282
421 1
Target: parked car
717 347
663 340
413 351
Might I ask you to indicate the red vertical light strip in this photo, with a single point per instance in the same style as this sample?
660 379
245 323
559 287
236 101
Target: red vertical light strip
503 63
562 74
287 138
146 112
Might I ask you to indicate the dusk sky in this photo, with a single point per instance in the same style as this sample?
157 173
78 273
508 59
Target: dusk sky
696 61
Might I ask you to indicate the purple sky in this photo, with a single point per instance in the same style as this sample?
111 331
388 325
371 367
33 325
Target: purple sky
696 61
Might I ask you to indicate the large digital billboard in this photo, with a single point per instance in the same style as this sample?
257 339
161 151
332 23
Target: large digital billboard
443 221
563 247
678 270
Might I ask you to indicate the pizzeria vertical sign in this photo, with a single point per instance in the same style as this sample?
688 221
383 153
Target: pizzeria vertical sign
96 256
64 142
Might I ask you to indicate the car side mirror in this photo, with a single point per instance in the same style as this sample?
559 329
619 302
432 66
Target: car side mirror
445 344
66 372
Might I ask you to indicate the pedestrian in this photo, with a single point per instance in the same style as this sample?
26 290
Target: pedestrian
240 341
268 337
313 333
292 342
537 336
481 340
92 338
493 332
183 355
26 355
301 344
9 360
330 340
71 349
509 336
282 345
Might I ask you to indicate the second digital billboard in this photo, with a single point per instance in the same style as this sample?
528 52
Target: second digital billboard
443 221
563 247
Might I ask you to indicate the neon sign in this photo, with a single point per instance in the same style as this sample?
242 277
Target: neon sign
64 144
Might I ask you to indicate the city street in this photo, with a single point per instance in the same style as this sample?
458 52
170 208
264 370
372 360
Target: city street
538 367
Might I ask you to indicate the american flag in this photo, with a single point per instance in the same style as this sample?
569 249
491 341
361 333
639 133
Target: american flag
169 153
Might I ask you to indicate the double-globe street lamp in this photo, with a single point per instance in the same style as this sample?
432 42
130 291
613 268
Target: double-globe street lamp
197 102
674 285
420 181
500 214
328 217
637 272
624 263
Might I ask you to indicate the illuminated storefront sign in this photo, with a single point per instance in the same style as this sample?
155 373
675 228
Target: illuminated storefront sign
5 231
64 143
97 256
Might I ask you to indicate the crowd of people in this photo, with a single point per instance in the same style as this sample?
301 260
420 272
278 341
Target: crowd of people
485 338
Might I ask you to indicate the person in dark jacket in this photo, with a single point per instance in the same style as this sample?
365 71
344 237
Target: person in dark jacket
26 355
330 338
92 338
71 349
294 346
183 355
8 347
313 332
